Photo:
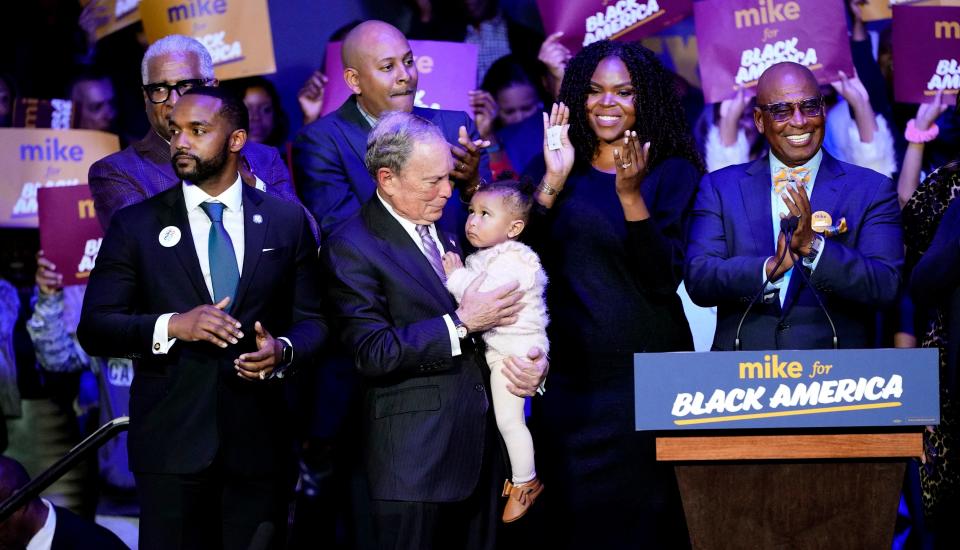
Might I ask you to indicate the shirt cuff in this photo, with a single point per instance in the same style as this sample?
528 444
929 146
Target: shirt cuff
161 340
454 339
281 371
812 264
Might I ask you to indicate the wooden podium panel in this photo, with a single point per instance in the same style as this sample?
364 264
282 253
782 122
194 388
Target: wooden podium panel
786 447
810 505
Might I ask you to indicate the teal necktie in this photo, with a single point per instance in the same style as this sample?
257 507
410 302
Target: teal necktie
223 261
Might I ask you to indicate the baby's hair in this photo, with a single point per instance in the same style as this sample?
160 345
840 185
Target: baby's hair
517 194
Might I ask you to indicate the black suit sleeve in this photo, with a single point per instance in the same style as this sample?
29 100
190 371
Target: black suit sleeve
109 323
381 348
308 330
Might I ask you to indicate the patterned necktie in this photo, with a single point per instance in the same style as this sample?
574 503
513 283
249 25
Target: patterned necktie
223 261
799 175
431 252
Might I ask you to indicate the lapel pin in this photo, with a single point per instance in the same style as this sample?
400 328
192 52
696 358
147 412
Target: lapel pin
257 218
820 221
169 236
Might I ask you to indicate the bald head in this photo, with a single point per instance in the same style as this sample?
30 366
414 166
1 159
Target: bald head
783 74
378 66
789 112
360 38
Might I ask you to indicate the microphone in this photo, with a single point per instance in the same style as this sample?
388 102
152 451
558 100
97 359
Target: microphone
784 225
816 295
262 536
789 224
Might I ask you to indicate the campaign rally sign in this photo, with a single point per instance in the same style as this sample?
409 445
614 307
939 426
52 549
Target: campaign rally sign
584 22
70 234
440 66
928 37
786 389
739 39
236 33
34 157
110 16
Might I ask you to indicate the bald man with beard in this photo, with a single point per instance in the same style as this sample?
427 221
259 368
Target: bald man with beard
328 153
735 237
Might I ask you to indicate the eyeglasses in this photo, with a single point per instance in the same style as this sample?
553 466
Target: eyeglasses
160 91
780 112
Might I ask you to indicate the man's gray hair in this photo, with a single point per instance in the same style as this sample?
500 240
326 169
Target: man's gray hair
391 141
178 44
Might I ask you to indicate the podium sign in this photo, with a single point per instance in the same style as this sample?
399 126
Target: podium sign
786 389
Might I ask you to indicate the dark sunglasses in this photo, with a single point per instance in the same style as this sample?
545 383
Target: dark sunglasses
780 112
160 91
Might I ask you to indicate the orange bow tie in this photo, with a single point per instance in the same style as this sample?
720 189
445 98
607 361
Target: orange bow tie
800 176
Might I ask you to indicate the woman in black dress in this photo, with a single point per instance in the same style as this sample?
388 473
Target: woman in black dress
610 228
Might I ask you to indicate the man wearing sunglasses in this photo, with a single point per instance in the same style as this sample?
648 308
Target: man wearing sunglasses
170 67
737 238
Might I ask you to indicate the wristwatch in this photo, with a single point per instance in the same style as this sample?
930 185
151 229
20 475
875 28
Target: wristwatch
458 325
815 245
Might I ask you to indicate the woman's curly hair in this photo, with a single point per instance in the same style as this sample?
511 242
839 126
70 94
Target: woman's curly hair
659 114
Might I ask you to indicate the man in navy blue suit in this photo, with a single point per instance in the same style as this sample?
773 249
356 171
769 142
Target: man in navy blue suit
192 284
735 237
328 154
430 445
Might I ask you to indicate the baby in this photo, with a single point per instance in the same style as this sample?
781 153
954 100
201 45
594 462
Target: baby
498 213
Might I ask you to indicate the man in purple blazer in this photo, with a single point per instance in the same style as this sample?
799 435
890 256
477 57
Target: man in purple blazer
171 66
736 234
329 153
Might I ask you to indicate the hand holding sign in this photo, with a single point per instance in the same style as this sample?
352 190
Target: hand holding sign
47 278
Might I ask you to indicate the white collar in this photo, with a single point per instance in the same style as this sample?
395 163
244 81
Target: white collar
232 198
43 539
408 225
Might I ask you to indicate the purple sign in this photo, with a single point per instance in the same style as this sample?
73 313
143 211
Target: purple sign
739 39
584 22
441 66
70 234
926 40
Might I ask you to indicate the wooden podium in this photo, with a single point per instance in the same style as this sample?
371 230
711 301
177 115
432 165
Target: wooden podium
819 490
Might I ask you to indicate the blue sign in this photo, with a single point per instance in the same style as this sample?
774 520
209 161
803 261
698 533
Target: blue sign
786 389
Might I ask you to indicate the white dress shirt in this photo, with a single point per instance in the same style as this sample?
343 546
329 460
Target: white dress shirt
200 223
43 539
411 229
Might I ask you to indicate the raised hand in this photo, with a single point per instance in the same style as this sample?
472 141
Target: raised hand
466 158
49 281
485 112
559 161
731 110
555 56
310 96
631 164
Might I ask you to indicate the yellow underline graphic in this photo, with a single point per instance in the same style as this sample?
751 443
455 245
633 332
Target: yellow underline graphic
787 413
637 25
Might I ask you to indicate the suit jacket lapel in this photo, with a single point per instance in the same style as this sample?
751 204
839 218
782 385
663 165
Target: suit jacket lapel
175 214
826 191
254 234
355 128
396 244
755 191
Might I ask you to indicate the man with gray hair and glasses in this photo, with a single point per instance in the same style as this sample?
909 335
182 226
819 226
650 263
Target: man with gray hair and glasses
171 66
430 442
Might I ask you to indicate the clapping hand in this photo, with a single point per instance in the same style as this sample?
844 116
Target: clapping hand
630 162
310 96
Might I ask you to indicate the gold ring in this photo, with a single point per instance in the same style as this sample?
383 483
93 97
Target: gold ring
461 166
263 375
